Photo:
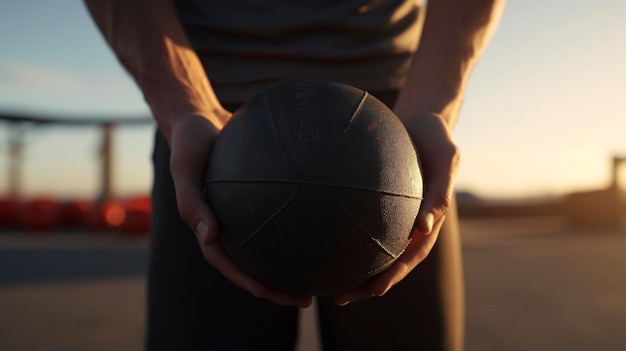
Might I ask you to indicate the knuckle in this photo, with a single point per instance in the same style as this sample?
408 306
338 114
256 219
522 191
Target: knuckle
259 292
256 292
446 202
185 210
453 153
381 289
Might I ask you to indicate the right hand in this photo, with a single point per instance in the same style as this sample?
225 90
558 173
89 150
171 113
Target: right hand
191 139
439 159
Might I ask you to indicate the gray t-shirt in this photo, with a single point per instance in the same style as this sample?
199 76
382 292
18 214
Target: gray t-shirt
247 46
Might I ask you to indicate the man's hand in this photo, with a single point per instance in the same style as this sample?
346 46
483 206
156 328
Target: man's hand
455 34
148 39
190 141
439 158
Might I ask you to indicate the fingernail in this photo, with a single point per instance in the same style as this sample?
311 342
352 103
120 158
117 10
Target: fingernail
201 231
342 302
429 220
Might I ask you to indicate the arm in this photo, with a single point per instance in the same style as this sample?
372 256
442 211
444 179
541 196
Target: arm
455 34
151 44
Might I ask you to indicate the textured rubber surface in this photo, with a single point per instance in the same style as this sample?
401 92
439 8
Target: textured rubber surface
316 186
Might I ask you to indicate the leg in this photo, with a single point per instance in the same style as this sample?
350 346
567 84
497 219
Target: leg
423 312
191 306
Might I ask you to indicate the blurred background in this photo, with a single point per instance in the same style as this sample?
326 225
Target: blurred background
540 186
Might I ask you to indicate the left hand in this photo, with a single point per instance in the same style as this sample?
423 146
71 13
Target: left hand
439 158
191 139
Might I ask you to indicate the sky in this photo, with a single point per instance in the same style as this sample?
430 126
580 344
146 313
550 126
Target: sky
544 109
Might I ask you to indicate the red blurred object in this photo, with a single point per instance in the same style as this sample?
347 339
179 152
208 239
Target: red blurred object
8 212
74 213
137 219
38 215
106 215
140 202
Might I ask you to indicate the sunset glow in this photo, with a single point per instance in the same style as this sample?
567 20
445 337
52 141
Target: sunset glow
543 112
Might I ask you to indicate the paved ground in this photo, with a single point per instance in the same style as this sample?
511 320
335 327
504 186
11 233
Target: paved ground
534 285
531 284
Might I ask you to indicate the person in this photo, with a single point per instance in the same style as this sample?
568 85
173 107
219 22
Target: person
195 61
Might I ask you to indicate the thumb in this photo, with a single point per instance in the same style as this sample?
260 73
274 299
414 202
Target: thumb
438 189
434 207
190 148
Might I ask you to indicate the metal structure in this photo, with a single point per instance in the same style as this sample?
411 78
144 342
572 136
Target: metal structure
19 123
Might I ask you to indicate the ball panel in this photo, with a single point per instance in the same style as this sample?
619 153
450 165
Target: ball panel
387 219
245 208
377 153
310 118
248 147
297 243
304 285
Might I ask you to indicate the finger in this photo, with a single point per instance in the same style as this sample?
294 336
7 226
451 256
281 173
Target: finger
437 200
415 253
190 145
189 157
195 210
439 158
220 259
439 174
207 233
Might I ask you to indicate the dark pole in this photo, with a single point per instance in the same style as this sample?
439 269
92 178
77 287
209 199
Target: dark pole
617 161
16 145
106 187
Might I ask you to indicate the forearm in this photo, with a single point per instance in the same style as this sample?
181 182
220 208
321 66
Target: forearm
454 36
150 43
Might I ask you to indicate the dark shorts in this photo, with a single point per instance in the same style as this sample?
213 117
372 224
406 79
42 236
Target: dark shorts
191 306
